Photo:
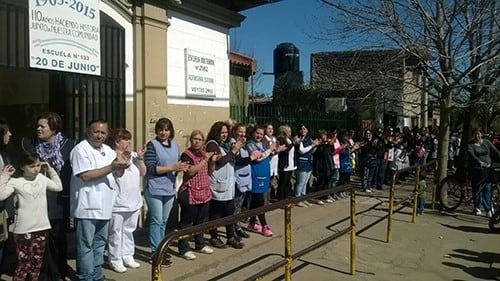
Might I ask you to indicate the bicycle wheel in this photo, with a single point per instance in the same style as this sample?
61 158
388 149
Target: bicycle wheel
495 197
494 222
450 193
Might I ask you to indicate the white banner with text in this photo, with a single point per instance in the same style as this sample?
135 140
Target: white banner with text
64 35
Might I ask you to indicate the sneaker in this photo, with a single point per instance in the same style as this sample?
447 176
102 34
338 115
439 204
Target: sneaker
217 243
253 226
302 204
319 202
368 190
477 212
233 242
167 262
489 214
118 268
132 264
241 233
206 250
189 255
266 231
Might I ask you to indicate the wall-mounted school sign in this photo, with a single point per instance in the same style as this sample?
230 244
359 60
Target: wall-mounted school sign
64 35
200 74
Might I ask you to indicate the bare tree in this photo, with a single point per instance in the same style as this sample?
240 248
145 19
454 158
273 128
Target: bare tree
457 42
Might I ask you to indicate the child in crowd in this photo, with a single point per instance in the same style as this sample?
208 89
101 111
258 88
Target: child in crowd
422 187
261 174
32 223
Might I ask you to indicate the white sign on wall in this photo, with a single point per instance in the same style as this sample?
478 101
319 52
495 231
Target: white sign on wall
200 74
64 35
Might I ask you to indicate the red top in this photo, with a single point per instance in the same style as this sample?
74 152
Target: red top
199 185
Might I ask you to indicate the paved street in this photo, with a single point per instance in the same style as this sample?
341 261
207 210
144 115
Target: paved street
436 247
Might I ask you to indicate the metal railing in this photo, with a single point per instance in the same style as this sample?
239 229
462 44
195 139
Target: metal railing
412 198
289 257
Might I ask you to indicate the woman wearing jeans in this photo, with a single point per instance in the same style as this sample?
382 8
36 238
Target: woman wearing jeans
306 149
161 159
479 151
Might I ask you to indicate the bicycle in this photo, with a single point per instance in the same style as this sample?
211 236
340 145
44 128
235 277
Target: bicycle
494 222
456 189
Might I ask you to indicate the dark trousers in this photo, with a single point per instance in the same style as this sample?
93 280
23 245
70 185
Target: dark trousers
380 176
322 182
241 202
481 188
191 215
221 209
257 201
345 178
284 184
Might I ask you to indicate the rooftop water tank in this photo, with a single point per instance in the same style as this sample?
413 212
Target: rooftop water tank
286 58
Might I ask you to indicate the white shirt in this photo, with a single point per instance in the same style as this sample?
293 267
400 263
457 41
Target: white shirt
274 158
91 199
128 196
32 214
291 157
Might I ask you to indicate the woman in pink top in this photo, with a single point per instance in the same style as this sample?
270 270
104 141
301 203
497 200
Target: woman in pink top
337 148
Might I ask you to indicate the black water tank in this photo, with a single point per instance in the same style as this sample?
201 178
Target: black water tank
286 58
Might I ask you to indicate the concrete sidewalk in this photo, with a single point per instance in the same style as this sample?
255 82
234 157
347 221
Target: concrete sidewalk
436 247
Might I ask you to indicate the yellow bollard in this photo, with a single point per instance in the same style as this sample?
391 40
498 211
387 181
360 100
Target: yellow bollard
415 195
391 209
288 242
156 270
353 231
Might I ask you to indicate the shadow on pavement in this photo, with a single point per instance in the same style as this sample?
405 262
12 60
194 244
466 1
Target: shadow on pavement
245 265
487 272
468 228
305 264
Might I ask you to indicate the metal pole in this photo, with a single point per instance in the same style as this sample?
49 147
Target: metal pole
415 195
288 242
353 231
391 208
252 114
435 185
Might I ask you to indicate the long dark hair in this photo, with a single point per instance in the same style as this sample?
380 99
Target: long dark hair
4 129
214 133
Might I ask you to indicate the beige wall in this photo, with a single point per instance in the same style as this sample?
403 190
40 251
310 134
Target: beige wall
150 96
150 31
188 118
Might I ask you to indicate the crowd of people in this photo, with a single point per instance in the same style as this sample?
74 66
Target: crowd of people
100 182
